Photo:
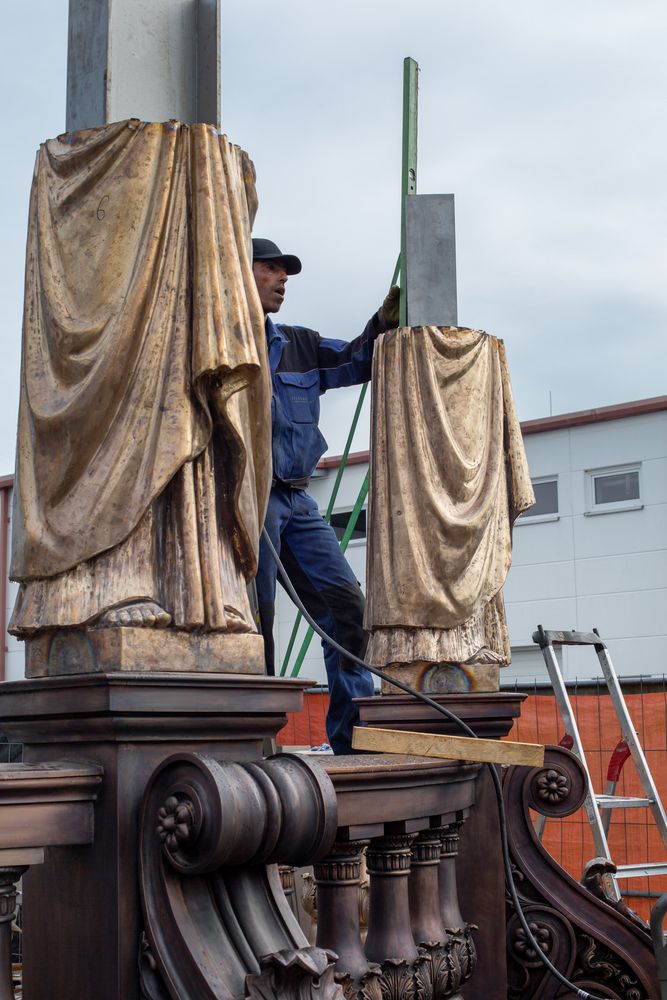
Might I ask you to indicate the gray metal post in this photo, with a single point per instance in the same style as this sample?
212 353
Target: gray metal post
147 59
430 260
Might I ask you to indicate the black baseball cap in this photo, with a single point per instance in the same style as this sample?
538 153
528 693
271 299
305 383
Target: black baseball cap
267 250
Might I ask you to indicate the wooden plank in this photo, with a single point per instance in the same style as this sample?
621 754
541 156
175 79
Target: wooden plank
447 747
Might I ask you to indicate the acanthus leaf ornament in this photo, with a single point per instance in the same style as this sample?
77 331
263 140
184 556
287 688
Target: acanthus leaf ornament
300 973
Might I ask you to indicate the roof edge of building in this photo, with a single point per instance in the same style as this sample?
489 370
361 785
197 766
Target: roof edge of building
560 421
540 425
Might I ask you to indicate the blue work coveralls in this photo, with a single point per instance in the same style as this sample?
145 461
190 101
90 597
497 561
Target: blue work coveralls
303 366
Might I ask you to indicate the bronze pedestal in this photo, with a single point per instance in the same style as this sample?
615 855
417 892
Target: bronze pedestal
82 922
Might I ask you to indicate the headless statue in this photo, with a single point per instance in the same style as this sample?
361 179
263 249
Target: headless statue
144 451
448 478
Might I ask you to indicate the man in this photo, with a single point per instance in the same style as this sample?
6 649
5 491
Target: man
303 366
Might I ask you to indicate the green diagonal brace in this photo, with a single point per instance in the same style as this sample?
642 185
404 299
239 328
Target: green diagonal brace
330 505
351 525
327 516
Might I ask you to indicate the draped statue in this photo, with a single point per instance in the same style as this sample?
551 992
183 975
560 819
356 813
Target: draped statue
449 477
144 449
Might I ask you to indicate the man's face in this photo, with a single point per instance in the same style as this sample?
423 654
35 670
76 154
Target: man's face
270 278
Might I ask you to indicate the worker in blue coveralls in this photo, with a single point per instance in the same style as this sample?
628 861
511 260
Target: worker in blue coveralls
303 366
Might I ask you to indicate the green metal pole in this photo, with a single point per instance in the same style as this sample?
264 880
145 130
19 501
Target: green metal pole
408 186
351 525
327 516
409 173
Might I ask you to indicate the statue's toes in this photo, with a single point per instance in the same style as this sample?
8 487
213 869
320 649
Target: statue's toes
161 618
143 614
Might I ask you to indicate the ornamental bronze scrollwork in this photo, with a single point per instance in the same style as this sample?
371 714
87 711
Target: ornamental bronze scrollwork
211 836
597 946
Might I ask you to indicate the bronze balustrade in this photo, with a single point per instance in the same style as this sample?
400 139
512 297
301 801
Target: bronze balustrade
41 806
409 809
217 921
218 843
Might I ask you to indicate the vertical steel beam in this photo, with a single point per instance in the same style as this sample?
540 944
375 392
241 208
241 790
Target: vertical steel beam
409 172
208 44
429 275
147 59
87 63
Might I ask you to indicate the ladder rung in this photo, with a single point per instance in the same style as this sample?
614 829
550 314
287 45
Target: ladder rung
636 871
622 802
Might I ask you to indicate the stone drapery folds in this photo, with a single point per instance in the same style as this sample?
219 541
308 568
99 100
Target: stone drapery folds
144 422
448 478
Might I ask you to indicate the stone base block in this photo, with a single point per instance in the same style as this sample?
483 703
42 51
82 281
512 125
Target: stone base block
444 678
85 651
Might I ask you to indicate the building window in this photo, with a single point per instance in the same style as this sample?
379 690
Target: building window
339 522
614 489
546 500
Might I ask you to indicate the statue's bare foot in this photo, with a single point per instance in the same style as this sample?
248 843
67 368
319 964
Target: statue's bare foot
139 614
482 657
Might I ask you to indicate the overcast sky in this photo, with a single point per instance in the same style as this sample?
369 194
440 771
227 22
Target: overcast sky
546 120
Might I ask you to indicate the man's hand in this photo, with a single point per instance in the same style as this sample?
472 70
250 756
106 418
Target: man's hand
389 310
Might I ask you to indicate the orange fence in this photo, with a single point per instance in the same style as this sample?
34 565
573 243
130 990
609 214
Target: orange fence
632 836
307 728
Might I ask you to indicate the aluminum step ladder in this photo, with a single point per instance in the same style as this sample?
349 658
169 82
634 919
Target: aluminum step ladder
595 803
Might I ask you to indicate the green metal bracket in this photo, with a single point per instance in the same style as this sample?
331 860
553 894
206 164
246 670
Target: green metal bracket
409 173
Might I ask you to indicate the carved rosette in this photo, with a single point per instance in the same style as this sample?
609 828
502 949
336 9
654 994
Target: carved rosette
558 788
552 786
524 947
176 822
